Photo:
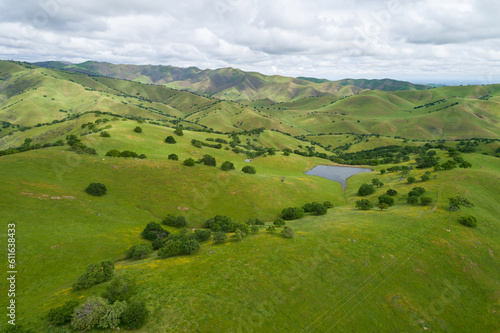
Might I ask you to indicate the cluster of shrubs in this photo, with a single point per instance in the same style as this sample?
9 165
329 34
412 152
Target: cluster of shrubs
168 244
95 274
179 244
416 195
451 164
125 153
221 223
78 147
153 231
175 221
294 213
217 140
199 144
26 146
112 309
468 221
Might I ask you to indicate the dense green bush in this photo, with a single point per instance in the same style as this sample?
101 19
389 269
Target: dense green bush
121 288
87 315
366 189
111 318
287 232
96 189
113 153
468 221
95 274
202 235
171 248
170 139
62 314
227 166
138 129
459 201
153 231
173 157
219 237
392 192
175 221
256 221
319 209
328 204
179 244
135 315
249 169
279 222
364 204
413 193
308 207
104 134
412 200
411 180
388 200
189 162
292 213
220 223
271 229
254 228
137 252
208 160
190 246
178 131
128 153
419 190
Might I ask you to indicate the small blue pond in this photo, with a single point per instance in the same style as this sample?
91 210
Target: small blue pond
338 174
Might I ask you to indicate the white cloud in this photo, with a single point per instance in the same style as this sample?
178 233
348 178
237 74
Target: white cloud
321 38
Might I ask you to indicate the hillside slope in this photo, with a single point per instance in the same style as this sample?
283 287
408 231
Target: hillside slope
231 83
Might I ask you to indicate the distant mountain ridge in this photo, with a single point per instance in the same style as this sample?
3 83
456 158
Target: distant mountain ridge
232 83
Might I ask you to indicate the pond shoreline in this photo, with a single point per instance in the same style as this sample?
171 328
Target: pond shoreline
337 173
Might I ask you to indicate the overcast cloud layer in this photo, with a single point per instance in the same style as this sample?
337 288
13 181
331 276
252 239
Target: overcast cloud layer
419 40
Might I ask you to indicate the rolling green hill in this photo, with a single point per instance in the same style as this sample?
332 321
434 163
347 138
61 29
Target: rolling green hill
30 95
231 83
346 270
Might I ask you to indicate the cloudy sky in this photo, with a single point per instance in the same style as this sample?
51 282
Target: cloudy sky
417 40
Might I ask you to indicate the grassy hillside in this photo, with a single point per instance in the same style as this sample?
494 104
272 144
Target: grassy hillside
230 83
342 271
30 95
441 113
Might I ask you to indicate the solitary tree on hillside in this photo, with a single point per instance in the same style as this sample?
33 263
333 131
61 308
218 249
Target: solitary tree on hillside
178 130
364 204
170 139
96 189
366 189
